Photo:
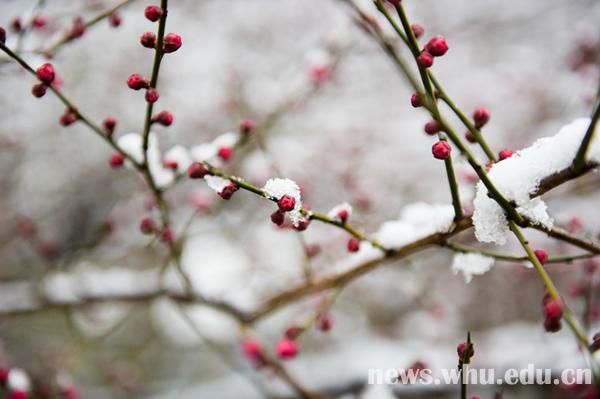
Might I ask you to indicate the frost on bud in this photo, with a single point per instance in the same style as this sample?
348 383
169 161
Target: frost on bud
171 43
441 150
225 153
78 28
153 13
465 351
353 244
286 348
148 40
146 226
415 100
164 118
109 123
541 255
45 73
503 154
247 126
152 95
253 350
277 217
437 46
432 127
137 82
286 203
197 170
2 35
418 30
68 118
425 60
39 21
116 160
227 192
481 116
39 90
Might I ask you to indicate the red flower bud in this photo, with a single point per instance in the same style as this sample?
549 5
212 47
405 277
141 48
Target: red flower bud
247 126
301 225
109 123
552 325
425 59
146 226
116 160
228 191
148 40
137 82
441 150
152 95
353 244
153 13
277 217
465 351
437 46
286 348
171 43
38 90
16 25
286 203
432 127
197 170
542 255
166 235
324 323
343 215
45 73
415 100
2 35
253 350
39 21
469 136
418 30
225 153
164 118
553 309
115 19
78 28
502 155
481 116
68 118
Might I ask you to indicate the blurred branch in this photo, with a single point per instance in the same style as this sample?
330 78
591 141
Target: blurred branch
67 37
579 162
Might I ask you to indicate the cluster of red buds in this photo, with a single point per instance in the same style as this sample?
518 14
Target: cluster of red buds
436 47
481 116
148 227
46 76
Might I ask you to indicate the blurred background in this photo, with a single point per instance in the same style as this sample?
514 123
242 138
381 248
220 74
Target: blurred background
337 119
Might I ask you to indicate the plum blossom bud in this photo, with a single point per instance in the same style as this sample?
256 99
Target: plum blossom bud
253 350
553 309
109 123
418 30
68 118
45 73
153 13
301 224
137 82
247 126
286 203
441 150
504 154
116 160
2 35
227 192
146 226
197 170
481 116
115 19
39 21
171 43
16 25
225 153
39 90
541 255
465 351
415 100
278 217
437 46
148 40
78 28
152 95
324 322
164 118
286 348
425 60
432 127
353 244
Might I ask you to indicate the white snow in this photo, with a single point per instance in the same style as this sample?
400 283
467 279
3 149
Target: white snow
180 155
217 183
278 187
519 176
471 265
208 151
18 380
132 143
